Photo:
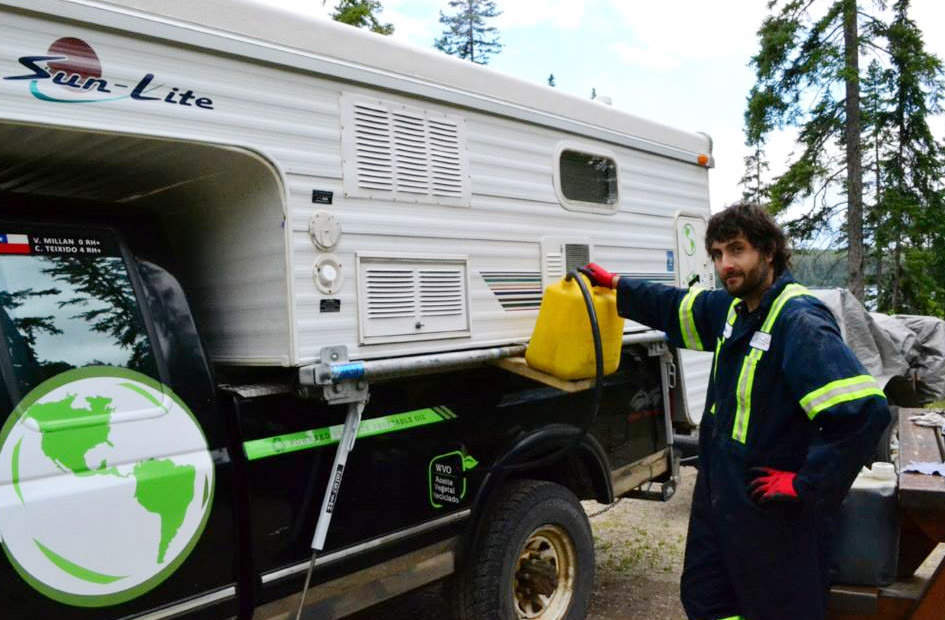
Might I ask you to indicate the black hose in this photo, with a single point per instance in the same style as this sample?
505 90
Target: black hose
500 465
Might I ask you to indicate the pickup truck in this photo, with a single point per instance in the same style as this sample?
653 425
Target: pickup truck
137 479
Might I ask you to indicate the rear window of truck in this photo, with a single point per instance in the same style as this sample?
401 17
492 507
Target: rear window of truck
67 301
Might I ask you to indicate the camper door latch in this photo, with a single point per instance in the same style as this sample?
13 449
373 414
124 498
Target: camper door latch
342 381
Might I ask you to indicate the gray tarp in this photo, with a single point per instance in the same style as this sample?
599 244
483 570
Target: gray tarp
902 337
875 349
906 347
929 350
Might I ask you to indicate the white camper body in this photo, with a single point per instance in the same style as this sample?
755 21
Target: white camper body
311 191
330 187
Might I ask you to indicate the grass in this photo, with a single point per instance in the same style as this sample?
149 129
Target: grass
639 549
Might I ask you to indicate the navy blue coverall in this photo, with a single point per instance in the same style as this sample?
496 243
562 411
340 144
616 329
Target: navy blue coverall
786 393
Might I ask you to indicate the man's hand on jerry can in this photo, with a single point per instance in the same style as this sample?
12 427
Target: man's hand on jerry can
772 485
598 275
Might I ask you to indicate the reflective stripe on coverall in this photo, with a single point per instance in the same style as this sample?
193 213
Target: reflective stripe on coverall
785 392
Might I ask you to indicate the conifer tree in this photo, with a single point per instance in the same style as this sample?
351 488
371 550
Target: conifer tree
911 203
753 181
875 136
467 34
361 14
857 129
808 77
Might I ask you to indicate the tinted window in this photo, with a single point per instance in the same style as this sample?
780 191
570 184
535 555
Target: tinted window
66 301
588 178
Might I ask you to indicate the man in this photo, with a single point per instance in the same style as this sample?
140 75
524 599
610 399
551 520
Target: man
791 416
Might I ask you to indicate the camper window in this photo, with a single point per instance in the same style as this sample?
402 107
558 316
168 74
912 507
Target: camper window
587 181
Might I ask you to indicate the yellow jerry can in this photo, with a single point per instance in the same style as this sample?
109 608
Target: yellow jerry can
562 344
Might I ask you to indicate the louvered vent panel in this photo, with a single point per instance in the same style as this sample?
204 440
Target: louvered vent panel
447 172
402 153
391 293
560 255
554 265
441 293
411 298
374 148
410 154
576 255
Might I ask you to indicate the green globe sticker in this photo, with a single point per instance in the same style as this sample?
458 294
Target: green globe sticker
106 484
690 234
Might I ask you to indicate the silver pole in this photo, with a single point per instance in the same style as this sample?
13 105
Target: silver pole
345 445
326 373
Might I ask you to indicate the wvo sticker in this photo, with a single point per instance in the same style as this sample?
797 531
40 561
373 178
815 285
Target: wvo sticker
106 485
447 476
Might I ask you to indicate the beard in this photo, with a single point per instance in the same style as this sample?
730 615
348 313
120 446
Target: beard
752 280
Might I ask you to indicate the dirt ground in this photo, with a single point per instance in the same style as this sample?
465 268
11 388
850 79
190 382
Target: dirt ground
639 546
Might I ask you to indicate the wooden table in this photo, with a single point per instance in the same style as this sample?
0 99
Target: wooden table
922 503
922 519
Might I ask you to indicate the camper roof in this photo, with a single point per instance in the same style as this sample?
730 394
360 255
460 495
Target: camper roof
260 32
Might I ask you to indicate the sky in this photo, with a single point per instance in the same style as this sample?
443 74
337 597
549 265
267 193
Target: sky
684 63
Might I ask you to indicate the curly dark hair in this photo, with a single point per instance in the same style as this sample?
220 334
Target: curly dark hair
759 228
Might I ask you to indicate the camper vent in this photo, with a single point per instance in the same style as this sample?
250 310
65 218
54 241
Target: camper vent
554 265
390 293
576 255
411 298
559 256
441 293
398 153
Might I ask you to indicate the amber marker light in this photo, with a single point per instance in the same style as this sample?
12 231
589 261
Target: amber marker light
703 159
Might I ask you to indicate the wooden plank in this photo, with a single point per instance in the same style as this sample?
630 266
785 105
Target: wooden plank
921 496
629 477
892 602
917 443
848 603
931 603
519 366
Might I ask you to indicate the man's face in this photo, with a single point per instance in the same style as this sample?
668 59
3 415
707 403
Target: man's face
745 272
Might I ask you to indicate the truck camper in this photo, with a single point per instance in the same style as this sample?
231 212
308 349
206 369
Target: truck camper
265 287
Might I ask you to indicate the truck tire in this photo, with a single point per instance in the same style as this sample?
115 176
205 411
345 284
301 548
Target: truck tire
533 557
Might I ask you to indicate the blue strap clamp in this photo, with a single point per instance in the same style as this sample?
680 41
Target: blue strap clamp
347 371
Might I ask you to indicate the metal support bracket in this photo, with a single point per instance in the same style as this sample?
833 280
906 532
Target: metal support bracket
338 386
668 374
671 372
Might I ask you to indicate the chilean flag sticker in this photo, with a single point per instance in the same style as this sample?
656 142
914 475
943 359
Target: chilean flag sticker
14 244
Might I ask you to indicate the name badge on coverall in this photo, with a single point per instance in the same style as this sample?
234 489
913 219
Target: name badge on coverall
761 341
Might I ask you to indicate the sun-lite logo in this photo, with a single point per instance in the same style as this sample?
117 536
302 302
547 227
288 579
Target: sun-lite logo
71 72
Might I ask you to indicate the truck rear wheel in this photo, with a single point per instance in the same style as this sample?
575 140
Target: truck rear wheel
533 558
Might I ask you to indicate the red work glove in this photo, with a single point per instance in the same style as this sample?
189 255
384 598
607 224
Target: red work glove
772 485
598 275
